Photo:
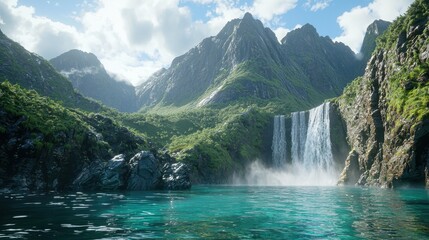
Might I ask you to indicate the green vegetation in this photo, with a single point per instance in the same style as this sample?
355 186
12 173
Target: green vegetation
409 93
351 91
47 124
407 88
416 15
221 140
42 114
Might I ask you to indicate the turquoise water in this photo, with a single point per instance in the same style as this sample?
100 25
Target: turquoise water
220 212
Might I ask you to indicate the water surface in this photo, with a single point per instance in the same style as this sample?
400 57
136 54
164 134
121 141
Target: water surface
220 212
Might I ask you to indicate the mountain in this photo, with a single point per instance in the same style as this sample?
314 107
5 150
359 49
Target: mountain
375 29
387 110
89 77
31 71
327 65
245 63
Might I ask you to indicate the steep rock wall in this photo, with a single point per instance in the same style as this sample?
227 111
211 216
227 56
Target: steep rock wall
387 110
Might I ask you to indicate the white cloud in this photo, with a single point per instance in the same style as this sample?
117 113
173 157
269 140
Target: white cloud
266 10
316 5
118 32
132 38
354 22
36 33
281 32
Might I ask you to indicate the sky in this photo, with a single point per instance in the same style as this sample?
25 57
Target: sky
135 38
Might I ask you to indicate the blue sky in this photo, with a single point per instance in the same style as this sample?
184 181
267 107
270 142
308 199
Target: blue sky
135 38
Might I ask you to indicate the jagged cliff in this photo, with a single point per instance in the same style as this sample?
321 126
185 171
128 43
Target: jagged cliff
387 110
373 31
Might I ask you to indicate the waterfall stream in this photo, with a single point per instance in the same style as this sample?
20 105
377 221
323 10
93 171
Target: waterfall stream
279 142
318 153
298 136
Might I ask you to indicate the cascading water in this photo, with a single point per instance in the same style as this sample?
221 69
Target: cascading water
318 152
279 142
311 152
298 136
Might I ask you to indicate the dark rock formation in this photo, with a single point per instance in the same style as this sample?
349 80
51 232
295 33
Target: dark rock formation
141 172
145 172
176 176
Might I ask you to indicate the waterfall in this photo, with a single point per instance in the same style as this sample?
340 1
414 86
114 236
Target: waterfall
279 142
298 136
318 152
312 163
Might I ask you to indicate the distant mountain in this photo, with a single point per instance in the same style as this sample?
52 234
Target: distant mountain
17 65
245 63
375 29
89 77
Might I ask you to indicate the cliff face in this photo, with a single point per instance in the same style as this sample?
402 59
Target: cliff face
387 110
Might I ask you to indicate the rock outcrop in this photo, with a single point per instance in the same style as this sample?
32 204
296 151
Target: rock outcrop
387 110
141 172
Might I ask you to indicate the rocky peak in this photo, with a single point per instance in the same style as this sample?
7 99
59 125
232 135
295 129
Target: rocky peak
307 32
374 30
248 23
76 59
377 27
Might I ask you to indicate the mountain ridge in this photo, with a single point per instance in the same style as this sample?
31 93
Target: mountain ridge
245 62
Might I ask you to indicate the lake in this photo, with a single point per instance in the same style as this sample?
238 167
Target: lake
220 212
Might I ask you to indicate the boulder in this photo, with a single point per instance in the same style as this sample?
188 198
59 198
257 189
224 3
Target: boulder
145 172
114 173
142 172
176 176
